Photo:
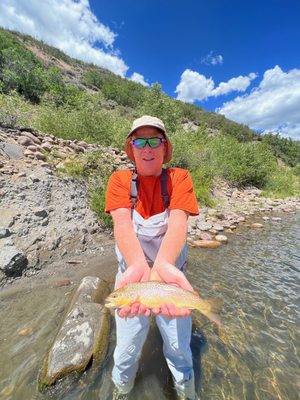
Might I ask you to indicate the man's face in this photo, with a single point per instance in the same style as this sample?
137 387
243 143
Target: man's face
149 160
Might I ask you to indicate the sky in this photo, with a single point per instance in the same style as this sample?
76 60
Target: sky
237 58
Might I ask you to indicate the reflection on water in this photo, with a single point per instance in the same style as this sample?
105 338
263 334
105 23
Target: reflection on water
257 274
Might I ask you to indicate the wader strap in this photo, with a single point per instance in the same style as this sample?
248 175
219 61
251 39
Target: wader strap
164 187
134 187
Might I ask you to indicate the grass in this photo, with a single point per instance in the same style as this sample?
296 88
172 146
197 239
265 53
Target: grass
281 184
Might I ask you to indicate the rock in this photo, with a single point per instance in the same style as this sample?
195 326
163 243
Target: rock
74 261
48 139
256 225
31 136
288 210
209 244
189 240
218 227
12 261
276 219
64 282
40 212
4 232
25 141
28 153
46 146
84 334
26 332
83 144
204 226
221 238
12 151
40 156
34 178
32 148
54 243
205 236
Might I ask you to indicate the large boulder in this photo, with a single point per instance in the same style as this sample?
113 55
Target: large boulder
84 333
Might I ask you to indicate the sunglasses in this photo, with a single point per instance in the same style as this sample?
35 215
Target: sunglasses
153 142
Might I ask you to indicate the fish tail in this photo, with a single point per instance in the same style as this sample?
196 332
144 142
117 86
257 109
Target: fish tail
216 304
214 318
213 307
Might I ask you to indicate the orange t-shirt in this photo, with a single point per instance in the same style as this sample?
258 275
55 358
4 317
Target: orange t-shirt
150 202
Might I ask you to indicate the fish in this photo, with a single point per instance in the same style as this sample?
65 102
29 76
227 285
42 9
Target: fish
154 293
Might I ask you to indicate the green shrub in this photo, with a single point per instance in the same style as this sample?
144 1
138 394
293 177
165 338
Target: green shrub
203 186
282 183
286 149
241 163
21 71
88 121
14 110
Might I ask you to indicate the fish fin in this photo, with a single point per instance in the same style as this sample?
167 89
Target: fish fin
214 318
216 304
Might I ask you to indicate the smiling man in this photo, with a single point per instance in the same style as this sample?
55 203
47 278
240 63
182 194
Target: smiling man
150 207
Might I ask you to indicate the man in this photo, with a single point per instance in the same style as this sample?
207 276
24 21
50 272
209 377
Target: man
150 208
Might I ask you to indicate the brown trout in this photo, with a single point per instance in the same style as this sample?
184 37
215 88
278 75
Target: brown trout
153 294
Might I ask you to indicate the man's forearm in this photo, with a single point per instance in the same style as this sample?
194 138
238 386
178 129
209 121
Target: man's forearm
129 245
173 241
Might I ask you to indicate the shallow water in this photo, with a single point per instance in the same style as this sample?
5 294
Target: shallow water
257 274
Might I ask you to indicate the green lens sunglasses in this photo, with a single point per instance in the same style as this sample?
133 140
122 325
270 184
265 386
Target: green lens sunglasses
153 142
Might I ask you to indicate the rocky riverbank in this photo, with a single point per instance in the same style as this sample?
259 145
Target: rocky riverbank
45 216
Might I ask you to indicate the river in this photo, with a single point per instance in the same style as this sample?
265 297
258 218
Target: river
257 273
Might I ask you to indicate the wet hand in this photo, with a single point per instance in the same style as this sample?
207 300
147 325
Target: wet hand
133 274
170 274
134 310
170 311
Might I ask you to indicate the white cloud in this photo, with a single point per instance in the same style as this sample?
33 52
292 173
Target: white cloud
196 87
239 84
66 24
274 105
212 59
135 77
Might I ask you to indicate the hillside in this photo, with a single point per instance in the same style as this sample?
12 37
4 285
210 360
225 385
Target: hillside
49 63
44 89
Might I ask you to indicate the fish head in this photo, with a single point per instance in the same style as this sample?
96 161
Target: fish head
116 299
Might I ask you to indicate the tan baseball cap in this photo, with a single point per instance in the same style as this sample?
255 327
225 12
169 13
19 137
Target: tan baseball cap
147 120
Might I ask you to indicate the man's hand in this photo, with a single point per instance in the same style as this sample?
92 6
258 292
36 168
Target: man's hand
168 273
133 274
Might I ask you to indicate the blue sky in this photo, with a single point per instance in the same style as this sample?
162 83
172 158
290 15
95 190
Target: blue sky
239 58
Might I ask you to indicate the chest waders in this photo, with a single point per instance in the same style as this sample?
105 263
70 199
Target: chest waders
150 232
132 332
